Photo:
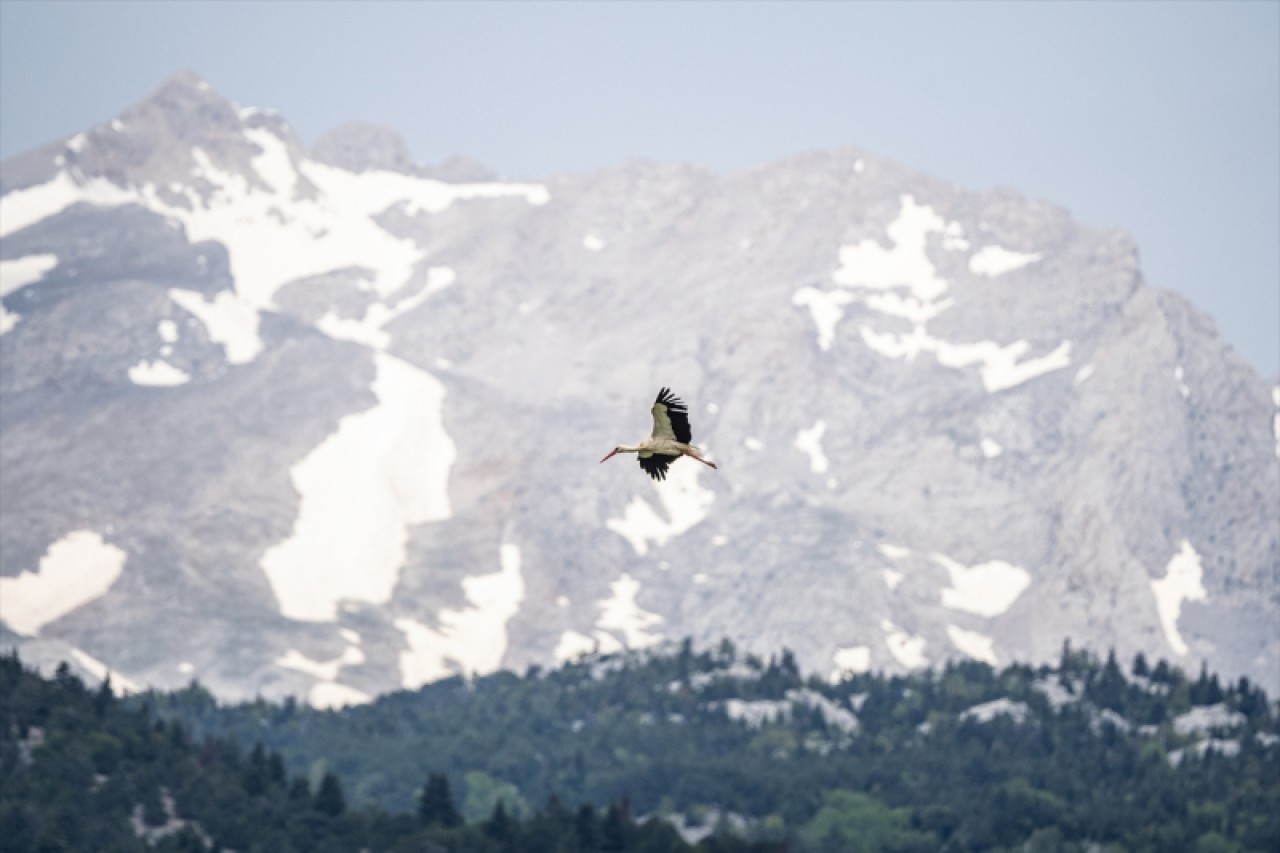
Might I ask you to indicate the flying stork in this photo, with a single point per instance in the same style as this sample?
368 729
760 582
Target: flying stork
669 440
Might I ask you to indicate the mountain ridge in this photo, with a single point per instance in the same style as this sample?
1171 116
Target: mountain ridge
926 403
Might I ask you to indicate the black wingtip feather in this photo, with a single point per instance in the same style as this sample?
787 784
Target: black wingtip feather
678 413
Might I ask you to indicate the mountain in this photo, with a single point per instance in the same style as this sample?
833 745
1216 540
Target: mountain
326 423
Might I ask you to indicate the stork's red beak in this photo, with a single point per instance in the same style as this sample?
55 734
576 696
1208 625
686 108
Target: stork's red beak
610 456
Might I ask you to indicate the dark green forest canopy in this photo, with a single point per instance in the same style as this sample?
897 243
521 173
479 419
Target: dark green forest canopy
747 752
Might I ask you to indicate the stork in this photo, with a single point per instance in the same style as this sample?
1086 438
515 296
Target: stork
668 441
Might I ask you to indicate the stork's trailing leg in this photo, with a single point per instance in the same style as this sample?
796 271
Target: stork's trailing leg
693 455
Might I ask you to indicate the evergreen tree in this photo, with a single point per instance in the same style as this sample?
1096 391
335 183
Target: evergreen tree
329 799
436 807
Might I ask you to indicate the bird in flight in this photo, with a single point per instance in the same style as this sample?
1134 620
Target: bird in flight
669 440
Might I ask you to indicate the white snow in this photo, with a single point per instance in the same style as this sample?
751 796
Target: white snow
74 571
1000 365
17 273
158 372
1275 419
686 504
1182 386
624 615
168 331
229 320
267 247
975 645
752 443
700 578
1083 374
77 142
562 601
906 285
369 329
592 243
987 589
908 308
827 307
995 260
186 667
859 166
906 649
22 208
870 265
573 645
472 640
809 442
953 239
327 694
117 125
990 448
101 671
893 552
383 470
988 711
1180 583
719 540
1204 719
854 659
892 578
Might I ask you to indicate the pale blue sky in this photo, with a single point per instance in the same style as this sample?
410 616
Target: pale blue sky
1162 118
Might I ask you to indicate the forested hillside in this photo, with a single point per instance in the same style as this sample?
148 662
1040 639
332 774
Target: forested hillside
1083 755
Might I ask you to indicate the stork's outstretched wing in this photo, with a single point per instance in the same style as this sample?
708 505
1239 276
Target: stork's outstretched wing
671 418
656 465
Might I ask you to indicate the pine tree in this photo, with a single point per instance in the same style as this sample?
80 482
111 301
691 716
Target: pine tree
329 799
435 807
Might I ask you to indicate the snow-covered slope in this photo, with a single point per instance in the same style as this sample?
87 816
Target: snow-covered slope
325 423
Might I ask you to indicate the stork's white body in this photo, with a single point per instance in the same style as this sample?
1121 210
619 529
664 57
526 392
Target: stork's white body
668 441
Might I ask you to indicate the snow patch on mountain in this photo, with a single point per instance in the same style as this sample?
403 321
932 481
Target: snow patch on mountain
1180 583
328 694
383 470
850 659
827 308
905 648
869 265
74 571
102 672
992 261
23 208
1000 366
809 442
17 273
369 330
686 503
228 319
472 640
157 373
625 616
987 589
975 645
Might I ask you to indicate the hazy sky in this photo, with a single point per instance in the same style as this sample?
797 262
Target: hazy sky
1162 118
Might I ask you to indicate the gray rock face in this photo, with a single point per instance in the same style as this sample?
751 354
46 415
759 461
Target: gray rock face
325 424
